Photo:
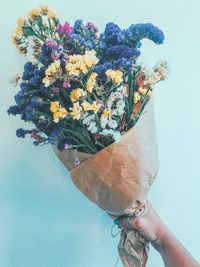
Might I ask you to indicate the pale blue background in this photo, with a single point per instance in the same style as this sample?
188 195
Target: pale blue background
44 219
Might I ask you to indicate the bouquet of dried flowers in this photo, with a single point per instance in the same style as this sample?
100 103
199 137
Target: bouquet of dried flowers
84 92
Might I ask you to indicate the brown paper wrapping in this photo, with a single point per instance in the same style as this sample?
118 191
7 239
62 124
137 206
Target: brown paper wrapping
118 177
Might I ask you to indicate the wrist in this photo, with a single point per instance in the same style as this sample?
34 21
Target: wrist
162 237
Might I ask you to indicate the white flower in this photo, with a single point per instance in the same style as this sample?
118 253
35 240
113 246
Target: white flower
112 124
92 127
103 121
88 118
117 136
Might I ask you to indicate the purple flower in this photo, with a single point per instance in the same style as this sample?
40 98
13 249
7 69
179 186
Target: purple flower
55 90
91 26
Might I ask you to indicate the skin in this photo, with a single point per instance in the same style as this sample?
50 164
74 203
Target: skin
153 229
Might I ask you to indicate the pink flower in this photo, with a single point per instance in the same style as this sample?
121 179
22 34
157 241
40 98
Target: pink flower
37 137
76 162
66 146
54 55
34 132
66 84
65 29
49 43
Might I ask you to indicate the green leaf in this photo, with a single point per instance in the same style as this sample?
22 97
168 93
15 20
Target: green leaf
30 32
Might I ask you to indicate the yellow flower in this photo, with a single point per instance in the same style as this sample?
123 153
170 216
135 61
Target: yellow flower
142 90
76 94
150 93
52 73
90 58
51 14
19 32
95 107
76 111
54 106
53 68
56 116
44 9
63 112
34 13
91 82
15 40
20 24
106 113
136 97
21 50
86 105
115 75
20 21
80 64
58 111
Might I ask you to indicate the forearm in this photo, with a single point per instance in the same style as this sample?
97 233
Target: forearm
173 252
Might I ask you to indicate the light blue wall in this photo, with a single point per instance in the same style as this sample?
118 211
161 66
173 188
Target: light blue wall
44 220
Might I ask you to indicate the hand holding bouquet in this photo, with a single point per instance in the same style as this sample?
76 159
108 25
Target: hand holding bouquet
85 94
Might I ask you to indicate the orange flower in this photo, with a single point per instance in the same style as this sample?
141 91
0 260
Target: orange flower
140 82
127 89
136 108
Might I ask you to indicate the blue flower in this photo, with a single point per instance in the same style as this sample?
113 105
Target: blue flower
19 98
14 110
21 133
123 64
36 101
117 51
101 69
45 56
136 32
28 66
53 135
110 35
78 27
60 146
36 72
28 71
29 113
79 44
24 86
34 81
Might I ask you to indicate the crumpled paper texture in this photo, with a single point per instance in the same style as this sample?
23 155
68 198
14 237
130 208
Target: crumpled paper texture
117 178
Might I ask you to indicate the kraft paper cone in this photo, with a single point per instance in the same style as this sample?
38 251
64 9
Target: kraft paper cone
118 178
